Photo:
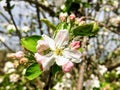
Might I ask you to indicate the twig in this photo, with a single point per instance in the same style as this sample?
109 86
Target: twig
113 66
9 11
81 76
38 16
47 86
6 46
5 17
82 66
48 9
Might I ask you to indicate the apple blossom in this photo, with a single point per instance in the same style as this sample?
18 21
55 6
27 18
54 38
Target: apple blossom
63 16
14 77
72 16
59 51
67 67
19 54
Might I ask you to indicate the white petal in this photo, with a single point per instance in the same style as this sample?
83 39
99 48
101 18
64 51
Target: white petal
61 60
74 56
49 41
47 62
62 38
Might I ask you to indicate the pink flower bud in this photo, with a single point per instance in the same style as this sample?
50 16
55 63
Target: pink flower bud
19 54
41 46
63 16
67 67
75 45
23 60
72 16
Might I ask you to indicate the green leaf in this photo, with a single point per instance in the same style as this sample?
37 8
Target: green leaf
49 24
88 29
30 42
62 25
33 71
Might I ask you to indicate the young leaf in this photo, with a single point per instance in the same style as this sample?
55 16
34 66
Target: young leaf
49 24
33 71
88 29
30 42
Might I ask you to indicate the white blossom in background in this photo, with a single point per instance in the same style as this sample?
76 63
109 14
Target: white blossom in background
92 83
102 69
25 29
2 39
115 3
9 67
7 87
118 70
11 27
115 20
14 77
58 3
24 70
1 79
66 83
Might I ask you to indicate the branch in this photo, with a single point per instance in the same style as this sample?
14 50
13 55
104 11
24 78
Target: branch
102 25
113 66
48 9
5 17
47 86
38 16
82 66
6 46
9 11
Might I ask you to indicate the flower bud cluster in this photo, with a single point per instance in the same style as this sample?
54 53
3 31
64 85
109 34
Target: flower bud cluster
19 56
64 16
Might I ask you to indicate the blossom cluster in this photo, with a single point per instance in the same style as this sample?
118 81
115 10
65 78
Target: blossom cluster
18 55
58 50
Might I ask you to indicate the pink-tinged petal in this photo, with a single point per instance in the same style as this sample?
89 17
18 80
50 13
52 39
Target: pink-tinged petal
47 63
62 38
75 45
74 56
19 54
61 60
67 67
49 41
39 58
41 46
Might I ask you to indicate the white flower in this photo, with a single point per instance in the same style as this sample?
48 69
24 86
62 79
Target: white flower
2 39
1 79
93 83
14 77
25 29
11 27
102 69
59 51
118 70
9 67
